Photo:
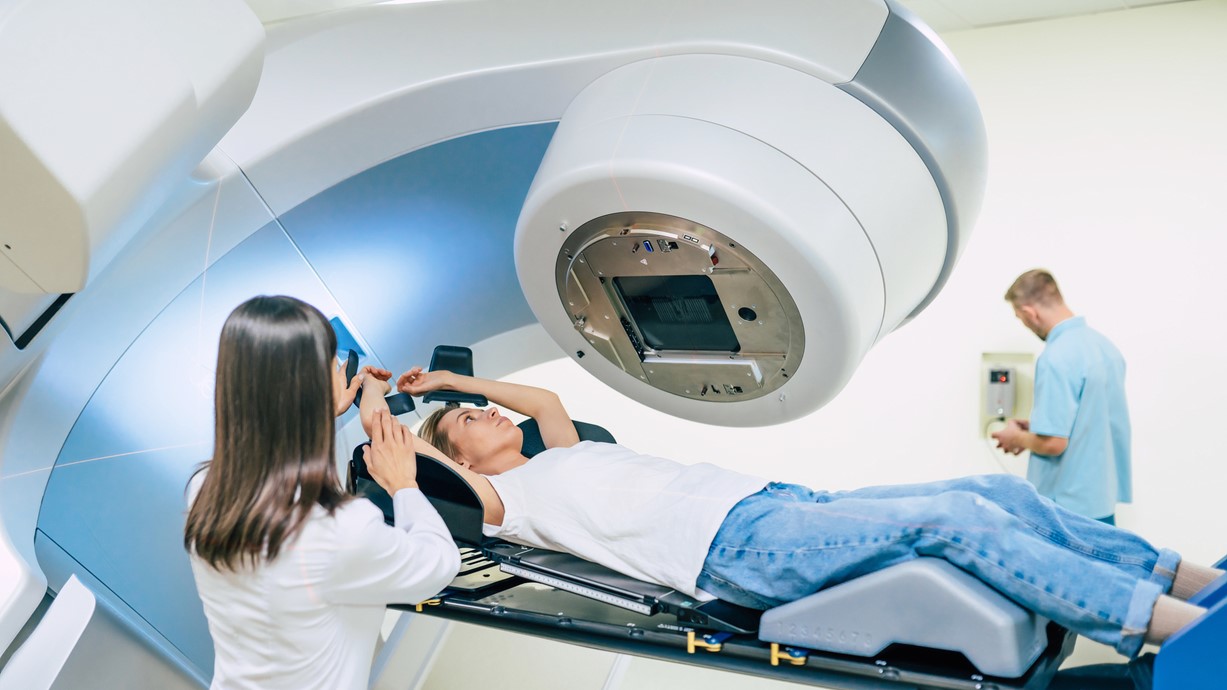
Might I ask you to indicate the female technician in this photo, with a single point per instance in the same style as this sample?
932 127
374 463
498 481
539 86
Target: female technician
294 574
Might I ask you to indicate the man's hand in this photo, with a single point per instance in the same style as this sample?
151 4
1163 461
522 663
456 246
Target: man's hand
390 458
345 397
1010 439
416 382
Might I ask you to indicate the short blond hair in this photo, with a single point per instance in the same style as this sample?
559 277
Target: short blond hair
1036 286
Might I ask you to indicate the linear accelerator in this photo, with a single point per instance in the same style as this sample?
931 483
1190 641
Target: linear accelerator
715 208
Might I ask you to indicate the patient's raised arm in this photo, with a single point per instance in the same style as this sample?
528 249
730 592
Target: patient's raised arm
374 407
373 390
344 397
557 429
390 457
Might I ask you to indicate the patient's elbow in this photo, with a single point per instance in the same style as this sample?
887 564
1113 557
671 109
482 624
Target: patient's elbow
550 398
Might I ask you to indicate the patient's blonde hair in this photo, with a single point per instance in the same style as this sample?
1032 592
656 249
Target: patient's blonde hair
432 434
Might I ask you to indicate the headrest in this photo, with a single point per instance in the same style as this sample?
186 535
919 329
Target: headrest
532 443
458 360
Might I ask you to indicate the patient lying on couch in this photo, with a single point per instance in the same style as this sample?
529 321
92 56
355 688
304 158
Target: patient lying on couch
761 544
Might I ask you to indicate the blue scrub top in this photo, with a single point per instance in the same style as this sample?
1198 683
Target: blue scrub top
1080 396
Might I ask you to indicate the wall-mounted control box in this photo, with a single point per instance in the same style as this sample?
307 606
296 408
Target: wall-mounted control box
1007 385
1001 392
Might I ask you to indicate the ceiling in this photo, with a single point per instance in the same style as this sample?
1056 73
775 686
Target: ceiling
956 15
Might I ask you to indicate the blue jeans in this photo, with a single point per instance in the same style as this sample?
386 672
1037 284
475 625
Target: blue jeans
787 541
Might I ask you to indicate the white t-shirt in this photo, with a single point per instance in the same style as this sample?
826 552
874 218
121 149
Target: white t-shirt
644 516
310 618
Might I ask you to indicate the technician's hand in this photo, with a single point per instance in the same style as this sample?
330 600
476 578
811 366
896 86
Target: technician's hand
345 396
416 382
377 385
390 458
1009 439
1001 444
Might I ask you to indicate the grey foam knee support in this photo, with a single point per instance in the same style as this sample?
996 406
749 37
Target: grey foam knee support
926 602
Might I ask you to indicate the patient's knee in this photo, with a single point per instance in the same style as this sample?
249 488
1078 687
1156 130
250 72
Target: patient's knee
969 510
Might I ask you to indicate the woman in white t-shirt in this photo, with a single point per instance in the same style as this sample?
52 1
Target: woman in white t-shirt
701 528
293 573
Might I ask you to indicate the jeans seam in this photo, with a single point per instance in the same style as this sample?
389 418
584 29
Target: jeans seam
1085 549
808 549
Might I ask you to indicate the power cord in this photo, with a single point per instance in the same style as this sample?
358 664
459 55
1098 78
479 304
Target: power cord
999 455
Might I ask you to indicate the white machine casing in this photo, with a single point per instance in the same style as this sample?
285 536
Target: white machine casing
827 136
164 81
817 185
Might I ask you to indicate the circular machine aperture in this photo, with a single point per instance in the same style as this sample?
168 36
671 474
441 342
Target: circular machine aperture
680 306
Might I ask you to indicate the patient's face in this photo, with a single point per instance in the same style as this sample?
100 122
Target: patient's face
483 438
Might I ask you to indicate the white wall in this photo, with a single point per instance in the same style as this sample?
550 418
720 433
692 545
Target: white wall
1108 166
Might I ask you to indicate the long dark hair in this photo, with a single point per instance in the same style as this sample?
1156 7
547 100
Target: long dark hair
274 434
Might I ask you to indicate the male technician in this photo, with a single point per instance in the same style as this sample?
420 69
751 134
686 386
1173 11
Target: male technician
1078 433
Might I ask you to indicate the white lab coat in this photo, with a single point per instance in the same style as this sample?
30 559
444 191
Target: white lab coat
310 618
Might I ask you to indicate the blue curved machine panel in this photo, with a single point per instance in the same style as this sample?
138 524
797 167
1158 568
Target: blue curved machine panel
113 508
402 244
